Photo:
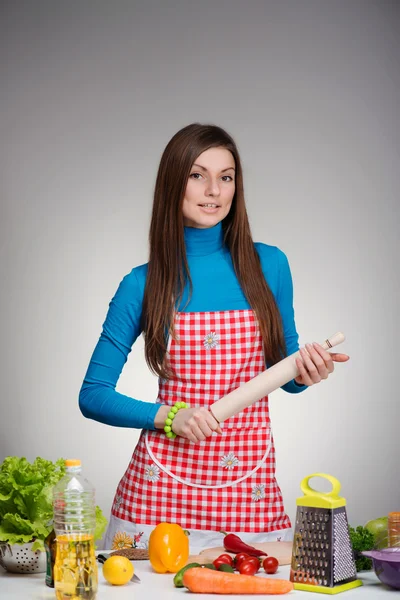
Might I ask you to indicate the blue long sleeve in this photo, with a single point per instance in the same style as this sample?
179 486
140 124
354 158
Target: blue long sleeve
98 398
285 302
215 288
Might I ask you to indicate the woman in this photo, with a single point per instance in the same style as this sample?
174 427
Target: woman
214 308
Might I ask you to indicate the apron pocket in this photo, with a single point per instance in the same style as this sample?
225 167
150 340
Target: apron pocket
219 461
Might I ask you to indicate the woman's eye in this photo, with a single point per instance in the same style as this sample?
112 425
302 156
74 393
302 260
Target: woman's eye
197 176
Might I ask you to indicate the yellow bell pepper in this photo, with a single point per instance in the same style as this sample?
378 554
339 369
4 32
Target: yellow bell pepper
168 548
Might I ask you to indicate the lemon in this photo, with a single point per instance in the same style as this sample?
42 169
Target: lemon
118 570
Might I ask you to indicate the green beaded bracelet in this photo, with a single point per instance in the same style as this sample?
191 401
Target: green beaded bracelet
171 416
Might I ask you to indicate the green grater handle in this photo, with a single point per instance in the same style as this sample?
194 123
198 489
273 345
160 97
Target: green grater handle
309 491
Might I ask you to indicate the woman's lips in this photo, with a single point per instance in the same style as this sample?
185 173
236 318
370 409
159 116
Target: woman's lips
209 209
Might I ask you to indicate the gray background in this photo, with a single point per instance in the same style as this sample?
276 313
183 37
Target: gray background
91 92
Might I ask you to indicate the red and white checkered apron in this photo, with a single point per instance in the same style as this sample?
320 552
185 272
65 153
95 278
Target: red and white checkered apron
227 481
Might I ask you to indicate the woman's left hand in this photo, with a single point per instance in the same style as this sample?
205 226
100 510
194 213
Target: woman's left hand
316 364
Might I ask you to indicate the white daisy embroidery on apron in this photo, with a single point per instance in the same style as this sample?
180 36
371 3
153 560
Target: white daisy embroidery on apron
229 461
152 473
211 340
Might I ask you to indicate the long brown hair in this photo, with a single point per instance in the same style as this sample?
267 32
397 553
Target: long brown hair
168 270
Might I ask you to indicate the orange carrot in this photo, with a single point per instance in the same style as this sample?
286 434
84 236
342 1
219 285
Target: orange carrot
207 581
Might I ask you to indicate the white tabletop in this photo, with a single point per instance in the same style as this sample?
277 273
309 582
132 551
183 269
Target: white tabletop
33 587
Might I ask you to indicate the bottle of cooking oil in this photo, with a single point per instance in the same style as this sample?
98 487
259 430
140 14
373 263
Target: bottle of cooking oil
394 529
74 510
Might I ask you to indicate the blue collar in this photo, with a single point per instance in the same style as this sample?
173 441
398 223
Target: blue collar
200 242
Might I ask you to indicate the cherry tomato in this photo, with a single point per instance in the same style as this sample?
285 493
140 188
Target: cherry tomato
255 560
239 558
270 565
247 567
223 559
227 557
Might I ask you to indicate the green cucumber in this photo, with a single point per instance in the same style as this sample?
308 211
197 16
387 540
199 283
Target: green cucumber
178 579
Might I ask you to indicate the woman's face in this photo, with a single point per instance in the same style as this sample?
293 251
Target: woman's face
210 189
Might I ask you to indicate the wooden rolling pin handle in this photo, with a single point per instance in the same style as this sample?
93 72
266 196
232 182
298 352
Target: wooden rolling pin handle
334 340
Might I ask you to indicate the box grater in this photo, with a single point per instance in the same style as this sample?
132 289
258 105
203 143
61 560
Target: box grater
322 555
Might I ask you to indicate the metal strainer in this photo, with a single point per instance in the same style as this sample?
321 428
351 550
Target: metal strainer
20 558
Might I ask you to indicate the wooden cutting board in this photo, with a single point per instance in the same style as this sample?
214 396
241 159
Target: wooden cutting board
280 550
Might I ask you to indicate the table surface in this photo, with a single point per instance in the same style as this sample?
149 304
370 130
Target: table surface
27 587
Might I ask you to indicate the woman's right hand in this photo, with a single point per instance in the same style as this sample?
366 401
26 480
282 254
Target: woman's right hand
195 424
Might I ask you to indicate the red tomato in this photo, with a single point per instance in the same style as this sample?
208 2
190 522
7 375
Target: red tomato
270 565
239 558
255 560
227 558
223 559
247 567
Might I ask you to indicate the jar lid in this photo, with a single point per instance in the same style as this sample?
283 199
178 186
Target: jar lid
394 515
73 462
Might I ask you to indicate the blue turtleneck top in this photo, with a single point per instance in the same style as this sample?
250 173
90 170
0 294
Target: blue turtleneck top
215 288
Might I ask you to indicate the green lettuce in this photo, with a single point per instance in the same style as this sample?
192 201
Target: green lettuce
26 509
101 524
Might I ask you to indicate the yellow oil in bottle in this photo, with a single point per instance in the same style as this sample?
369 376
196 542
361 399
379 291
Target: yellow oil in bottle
75 568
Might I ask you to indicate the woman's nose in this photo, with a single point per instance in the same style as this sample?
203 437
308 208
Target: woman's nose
213 188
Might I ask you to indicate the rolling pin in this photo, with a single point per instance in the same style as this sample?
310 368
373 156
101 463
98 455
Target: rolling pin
263 384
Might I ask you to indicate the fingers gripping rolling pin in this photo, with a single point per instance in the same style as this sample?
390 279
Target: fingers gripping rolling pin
263 384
